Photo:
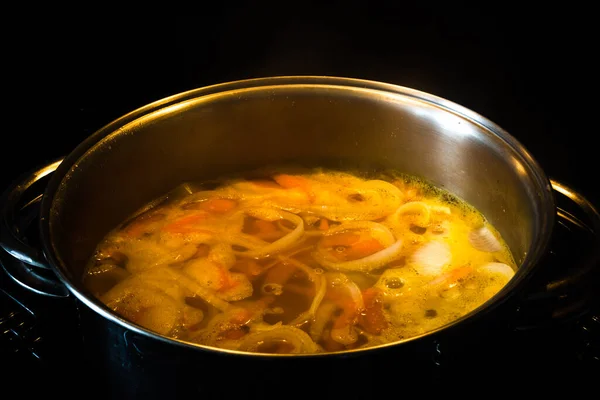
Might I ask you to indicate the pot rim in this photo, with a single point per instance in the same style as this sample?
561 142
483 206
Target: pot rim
528 265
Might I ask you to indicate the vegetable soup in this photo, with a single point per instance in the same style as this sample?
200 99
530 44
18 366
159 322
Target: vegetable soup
300 262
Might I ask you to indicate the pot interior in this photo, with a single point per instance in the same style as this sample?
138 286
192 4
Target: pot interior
345 125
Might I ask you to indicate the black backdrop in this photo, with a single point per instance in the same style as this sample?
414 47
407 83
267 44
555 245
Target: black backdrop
527 69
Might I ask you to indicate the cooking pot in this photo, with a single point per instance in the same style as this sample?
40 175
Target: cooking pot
226 128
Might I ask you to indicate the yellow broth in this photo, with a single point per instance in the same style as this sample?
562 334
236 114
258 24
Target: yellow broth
303 262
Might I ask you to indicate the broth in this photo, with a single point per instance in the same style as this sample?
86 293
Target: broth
300 262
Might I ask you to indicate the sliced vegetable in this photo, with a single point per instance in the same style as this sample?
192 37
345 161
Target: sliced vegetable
347 296
281 244
366 264
296 182
219 206
189 223
372 319
145 223
299 342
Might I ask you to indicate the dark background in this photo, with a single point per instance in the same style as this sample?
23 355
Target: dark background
527 69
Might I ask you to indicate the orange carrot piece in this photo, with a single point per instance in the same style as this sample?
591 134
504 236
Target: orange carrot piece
218 206
241 317
323 224
459 273
295 182
186 224
291 181
363 249
372 318
340 239
264 228
226 282
353 250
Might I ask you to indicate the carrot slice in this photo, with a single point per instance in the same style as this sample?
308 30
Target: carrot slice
323 224
347 246
363 249
340 239
241 317
372 318
218 206
295 182
226 281
459 273
186 224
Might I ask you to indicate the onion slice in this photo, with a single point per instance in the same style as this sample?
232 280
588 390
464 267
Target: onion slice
300 340
320 284
483 239
430 258
280 244
366 264
378 231
418 208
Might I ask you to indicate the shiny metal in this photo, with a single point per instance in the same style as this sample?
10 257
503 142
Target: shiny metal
591 260
566 288
32 277
27 266
11 202
313 121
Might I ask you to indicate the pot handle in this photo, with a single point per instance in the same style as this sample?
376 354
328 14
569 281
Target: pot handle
565 290
19 207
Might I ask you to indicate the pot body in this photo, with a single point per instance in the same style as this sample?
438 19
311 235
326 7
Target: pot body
121 363
309 121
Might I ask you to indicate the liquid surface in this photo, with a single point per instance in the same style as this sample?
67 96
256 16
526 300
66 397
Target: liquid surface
318 261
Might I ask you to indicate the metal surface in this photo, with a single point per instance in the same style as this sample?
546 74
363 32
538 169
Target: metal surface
312 121
13 201
32 278
567 287
21 255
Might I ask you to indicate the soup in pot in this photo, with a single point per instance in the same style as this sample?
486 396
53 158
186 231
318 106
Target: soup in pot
300 262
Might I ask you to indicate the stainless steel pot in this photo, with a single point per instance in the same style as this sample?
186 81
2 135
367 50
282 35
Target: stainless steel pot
314 121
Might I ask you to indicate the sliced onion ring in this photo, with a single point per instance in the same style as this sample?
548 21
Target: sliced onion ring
280 244
366 264
378 231
320 288
300 340
414 207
